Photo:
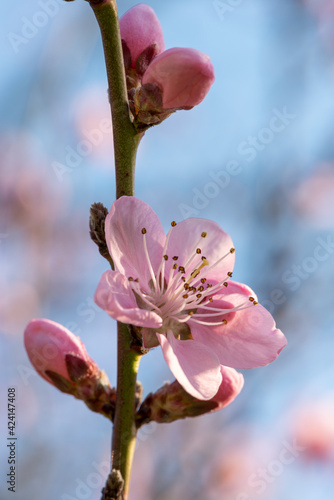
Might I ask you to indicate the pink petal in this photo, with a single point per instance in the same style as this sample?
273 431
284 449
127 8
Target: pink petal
186 237
249 339
123 227
115 296
140 28
195 366
47 344
230 387
185 76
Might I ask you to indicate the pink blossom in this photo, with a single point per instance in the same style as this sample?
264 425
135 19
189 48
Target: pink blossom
178 289
184 75
47 343
140 28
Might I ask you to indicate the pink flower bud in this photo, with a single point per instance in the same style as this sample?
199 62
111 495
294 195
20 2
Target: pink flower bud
141 28
184 75
48 344
171 402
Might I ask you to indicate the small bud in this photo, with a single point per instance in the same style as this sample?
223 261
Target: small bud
171 402
140 29
184 75
98 214
61 358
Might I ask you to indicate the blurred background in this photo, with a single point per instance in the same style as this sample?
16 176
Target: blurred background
257 156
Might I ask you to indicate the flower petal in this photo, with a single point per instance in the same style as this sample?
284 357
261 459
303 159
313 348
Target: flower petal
123 227
194 365
186 237
230 387
116 297
249 339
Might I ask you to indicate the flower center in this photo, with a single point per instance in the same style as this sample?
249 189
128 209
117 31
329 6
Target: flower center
186 293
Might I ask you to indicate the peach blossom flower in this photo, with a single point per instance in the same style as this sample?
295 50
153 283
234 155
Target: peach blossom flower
178 290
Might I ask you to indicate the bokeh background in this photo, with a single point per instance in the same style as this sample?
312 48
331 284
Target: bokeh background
267 181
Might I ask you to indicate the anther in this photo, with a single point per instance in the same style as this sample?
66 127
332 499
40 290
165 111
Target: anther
225 283
208 285
203 280
166 257
198 250
186 286
224 321
175 258
175 266
230 274
201 288
185 296
131 278
143 231
255 303
182 269
204 234
210 299
251 299
173 223
232 250
199 295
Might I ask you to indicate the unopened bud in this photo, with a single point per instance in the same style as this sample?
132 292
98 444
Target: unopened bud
184 75
171 402
61 358
141 32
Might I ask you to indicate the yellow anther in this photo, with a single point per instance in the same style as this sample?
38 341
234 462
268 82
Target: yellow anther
210 299
175 266
186 286
230 274
255 303
185 296
173 223
204 234
232 250
182 269
143 231
166 257
198 250
251 299
175 257
201 288
224 321
131 278
203 280
225 283
199 295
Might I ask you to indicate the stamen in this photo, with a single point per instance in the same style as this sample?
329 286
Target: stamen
148 259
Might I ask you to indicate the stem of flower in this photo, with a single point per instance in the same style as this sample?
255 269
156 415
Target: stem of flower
126 138
126 141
